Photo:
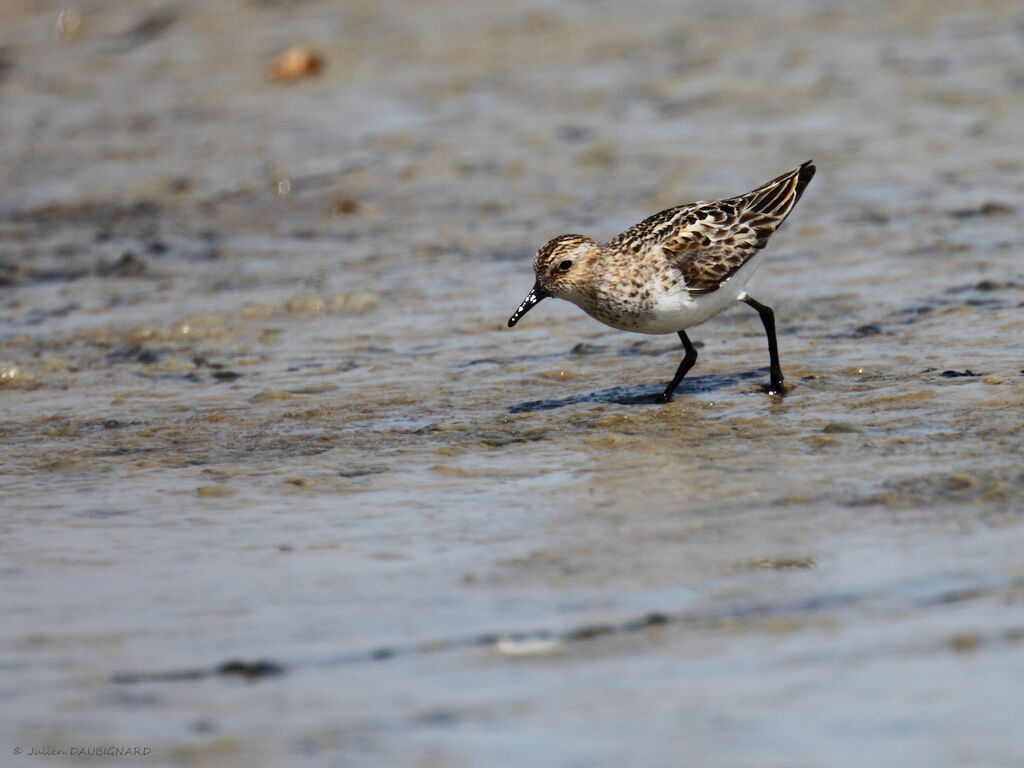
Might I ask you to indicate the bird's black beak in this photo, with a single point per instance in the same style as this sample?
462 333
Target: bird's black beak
535 295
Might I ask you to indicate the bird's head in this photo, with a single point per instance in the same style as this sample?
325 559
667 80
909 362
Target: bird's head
563 267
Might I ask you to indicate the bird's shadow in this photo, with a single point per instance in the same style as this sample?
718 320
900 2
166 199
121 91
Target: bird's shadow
645 395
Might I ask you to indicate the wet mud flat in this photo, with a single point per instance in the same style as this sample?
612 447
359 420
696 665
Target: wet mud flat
279 484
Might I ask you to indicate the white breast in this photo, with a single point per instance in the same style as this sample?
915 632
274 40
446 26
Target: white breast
670 308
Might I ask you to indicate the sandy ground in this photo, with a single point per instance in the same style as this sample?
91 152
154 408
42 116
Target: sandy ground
279 487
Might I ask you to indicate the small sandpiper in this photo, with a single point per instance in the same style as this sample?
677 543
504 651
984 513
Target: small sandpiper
674 269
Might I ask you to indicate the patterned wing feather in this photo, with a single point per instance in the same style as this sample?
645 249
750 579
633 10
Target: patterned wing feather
709 242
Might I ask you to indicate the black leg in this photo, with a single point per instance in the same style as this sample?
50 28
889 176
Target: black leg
768 318
688 360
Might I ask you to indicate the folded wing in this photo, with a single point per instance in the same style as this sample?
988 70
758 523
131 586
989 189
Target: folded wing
709 242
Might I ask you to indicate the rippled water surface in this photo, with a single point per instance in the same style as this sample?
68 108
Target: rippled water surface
280 487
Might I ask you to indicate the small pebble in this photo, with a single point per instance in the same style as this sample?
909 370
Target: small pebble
536 647
9 374
295 63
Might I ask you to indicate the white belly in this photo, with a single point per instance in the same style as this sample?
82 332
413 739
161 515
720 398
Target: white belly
671 308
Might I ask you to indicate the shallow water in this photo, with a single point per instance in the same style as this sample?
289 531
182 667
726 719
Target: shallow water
279 484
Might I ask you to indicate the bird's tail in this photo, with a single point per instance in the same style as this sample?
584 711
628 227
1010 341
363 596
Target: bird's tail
778 196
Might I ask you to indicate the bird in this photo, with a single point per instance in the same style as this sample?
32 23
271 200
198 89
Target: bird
673 270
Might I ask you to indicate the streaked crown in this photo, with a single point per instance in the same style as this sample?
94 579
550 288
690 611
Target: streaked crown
564 262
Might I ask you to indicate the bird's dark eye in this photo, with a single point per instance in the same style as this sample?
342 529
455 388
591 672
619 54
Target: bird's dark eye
565 266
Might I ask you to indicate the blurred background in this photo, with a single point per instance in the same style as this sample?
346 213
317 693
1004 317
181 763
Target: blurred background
279 485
